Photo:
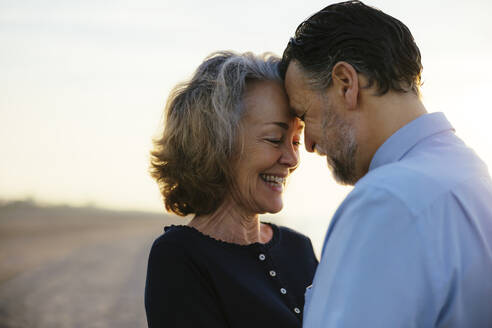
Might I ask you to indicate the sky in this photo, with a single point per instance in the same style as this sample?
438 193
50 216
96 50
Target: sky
84 84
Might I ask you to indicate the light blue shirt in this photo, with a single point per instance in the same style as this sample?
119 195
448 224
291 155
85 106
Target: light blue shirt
411 245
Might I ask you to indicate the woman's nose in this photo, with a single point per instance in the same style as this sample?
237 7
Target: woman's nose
290 156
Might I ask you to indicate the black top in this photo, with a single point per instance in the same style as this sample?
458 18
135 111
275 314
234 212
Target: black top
194 280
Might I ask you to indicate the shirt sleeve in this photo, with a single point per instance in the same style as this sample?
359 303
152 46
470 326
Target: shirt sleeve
375 267
177 293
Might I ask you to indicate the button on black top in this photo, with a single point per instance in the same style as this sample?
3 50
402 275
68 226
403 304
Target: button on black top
194 280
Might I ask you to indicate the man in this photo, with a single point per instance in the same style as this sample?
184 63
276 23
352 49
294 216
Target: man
411 245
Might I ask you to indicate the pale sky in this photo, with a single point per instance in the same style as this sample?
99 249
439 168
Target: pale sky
84 84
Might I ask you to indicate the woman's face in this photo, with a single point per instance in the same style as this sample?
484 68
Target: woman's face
270 148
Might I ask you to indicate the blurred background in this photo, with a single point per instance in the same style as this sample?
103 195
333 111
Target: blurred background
83 87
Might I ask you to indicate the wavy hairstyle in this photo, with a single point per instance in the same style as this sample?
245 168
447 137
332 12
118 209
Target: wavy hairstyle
374 43
192 161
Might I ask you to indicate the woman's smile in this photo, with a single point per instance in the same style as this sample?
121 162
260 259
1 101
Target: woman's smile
274 182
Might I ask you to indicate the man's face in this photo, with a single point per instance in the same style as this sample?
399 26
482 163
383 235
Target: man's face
326 131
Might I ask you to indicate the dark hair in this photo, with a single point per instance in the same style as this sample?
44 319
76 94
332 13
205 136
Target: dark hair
374 43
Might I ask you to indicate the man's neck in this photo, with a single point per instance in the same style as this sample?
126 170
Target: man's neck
382 117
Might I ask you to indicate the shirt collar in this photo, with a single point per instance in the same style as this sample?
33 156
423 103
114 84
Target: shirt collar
396 146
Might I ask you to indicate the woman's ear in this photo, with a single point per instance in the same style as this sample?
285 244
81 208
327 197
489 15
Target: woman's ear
346 82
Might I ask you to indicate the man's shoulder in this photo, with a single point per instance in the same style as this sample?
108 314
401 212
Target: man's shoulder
403 180
422 179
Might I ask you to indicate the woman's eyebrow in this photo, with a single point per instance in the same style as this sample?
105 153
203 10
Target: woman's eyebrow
283 125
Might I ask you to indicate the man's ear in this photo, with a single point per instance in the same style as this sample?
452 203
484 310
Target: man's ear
346 82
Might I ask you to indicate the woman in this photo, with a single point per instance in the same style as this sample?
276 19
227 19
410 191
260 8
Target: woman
229 143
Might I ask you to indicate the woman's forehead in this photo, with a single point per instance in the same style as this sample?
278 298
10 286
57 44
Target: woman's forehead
267 101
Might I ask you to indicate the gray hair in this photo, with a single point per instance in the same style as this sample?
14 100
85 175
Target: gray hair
192 160
231 71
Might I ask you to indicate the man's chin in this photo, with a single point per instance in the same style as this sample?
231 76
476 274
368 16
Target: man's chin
339 173
320 151
331 164
333 170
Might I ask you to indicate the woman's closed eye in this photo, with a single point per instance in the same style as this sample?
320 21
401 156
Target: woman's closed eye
274 141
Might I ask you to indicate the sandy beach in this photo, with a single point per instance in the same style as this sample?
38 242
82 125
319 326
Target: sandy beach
74 267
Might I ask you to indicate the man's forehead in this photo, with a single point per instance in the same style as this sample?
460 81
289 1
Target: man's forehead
295 84
294 74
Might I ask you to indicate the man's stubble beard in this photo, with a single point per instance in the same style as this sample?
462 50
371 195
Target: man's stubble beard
341 156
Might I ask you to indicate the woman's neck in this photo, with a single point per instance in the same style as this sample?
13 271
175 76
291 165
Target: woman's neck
228 223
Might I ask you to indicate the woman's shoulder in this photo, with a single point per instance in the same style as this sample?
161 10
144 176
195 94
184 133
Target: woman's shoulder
194 242
175 233
177 249
291 238
290 233
176 239
295 245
